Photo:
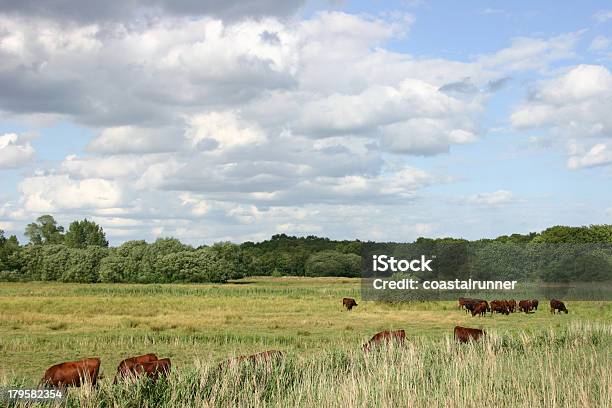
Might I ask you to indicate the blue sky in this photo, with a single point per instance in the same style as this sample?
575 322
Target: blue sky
371 120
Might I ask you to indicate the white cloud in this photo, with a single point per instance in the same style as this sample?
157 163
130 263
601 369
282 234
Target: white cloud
217 128
527 53
49 193
15 150
134 139
598 155
576 103
198 205
223 129
109 167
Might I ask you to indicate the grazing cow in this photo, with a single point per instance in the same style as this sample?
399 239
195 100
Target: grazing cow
153 369
73 373
557 305
511 305
500 306
465 334
470 304
385 337
463 302
525 306
480 309
349 303
126 367
535 303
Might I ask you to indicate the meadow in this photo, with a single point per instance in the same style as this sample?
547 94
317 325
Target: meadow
538 359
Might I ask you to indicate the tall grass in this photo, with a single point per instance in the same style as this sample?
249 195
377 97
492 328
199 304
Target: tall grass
563 368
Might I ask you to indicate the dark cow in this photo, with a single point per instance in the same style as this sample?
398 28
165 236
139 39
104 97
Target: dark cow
500 306
535 303
511 305
263 357
349 303
126 367
557 305
470 304
73 373
525 306
480 309
463 303
465 334
153 369
385 337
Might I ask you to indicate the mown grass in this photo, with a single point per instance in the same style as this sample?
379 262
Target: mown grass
199 325
551 368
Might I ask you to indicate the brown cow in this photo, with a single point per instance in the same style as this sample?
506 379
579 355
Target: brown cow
557 305
349 303
465 334
385 337
500 306
153 369
469 304
535 303
511 305
525 306
73 373
126 367
480 309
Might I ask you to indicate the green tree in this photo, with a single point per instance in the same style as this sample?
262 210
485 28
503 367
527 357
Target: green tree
84 265
45 231
9 248
333 263
82 234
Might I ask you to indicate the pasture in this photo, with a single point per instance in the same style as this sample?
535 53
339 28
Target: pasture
197 326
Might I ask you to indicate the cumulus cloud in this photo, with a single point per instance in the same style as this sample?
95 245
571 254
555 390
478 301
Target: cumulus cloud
210 124
135 139
576 102
122 10
114 167
15 150
575 105
598 155
49 193
221 130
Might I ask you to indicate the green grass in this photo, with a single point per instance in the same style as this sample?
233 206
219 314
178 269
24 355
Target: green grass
198 326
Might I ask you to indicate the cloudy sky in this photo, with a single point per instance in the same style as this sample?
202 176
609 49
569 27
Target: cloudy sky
236 120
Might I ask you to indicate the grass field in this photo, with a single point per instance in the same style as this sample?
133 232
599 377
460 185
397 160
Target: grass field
199 325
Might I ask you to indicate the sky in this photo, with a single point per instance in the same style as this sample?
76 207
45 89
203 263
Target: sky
237 120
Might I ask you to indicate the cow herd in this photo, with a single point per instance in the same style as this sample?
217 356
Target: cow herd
480 307
75 373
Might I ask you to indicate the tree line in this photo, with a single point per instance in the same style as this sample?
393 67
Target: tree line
82 254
